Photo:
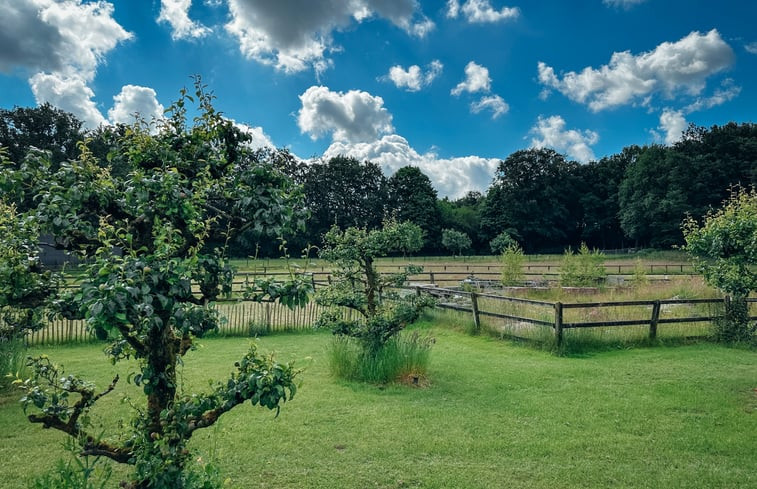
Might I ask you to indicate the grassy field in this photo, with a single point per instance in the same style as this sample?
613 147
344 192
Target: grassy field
494 414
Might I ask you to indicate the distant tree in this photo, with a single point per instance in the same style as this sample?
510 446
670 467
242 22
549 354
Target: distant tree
502 241
535 192
464 215
599 182
455 241
45 127
665 184
724 249
345 192
413 199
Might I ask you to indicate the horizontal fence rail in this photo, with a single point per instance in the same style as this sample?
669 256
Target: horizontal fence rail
536 312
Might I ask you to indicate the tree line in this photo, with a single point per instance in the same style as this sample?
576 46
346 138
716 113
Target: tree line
537 197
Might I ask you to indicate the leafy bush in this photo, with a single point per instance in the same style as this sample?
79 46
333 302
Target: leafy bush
585 269
501 242
724 249
512 260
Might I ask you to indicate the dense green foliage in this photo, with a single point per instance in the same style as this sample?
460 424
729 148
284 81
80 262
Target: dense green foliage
583 269
724 249
357 285
637 197
151 277
456 241
512 260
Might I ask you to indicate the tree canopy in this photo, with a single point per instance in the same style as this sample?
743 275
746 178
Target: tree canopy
152 276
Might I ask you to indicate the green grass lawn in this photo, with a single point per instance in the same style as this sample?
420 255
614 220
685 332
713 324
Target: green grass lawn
493 415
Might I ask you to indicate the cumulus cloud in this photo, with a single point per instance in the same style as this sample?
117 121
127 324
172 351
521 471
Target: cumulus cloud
413 78
59 43
728 91
451 177
495 103
480 11
626 4
353 117
293 35
672 124
259 138
550 132
67 37
751 47
133 100
476 80
67 93
176 14
670 69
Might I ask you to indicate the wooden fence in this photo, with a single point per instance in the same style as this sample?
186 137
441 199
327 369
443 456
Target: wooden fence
239 318
556 314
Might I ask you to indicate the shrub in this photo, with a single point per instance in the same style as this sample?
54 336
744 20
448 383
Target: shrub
585 269
512 259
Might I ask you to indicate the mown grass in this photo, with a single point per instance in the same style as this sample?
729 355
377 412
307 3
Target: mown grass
494 414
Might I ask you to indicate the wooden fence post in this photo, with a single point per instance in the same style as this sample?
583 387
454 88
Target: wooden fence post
474 308
558 323
431 277
654 320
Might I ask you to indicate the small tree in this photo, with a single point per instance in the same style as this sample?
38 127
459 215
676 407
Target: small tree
152 279
512 260
455 241
359 286
585 269
724 249
501 242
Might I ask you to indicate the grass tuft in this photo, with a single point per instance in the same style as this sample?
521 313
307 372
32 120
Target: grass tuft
405 356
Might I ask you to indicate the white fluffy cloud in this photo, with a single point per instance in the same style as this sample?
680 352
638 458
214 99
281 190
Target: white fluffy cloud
495 103
259 138
476 80
176 14
751 47
728 91
626 4
353 117
413 78
550 132
67 93
672 124
451 177
60 43
480 11
67 37
133 100
293 35
671 68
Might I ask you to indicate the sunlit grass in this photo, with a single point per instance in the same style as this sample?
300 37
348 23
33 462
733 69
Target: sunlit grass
493 414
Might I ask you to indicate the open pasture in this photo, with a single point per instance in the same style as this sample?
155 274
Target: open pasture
492 414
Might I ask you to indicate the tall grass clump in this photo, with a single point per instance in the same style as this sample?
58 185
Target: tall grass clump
402 357
12 354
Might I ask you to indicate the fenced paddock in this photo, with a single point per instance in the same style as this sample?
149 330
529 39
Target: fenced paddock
523 317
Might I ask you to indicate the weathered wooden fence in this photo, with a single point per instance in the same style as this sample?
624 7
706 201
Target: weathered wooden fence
240 318
557 315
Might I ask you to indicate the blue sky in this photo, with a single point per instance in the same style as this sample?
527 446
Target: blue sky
451 86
